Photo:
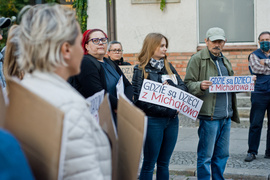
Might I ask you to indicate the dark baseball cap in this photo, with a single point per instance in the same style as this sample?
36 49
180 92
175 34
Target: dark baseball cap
4 22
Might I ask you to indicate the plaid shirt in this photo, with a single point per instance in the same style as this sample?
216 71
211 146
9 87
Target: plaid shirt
257 68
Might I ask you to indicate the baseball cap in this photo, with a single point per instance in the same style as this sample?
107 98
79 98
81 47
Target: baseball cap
4 22
215 33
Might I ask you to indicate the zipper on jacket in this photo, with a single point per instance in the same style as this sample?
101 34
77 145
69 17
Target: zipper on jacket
227 101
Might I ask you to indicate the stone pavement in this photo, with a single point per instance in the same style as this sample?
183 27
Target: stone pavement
183 161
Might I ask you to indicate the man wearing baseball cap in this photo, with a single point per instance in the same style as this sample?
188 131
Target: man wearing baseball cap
218 109
4 22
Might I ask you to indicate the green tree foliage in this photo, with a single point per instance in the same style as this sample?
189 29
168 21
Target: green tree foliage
162 4
9 8
81 12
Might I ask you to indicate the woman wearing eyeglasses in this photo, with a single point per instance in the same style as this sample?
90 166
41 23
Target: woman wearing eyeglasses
98 72
115 53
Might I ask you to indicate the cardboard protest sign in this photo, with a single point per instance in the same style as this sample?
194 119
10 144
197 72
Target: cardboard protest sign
2 108
38 127
107 124
95 102
231 84
171 97
128 72
131 125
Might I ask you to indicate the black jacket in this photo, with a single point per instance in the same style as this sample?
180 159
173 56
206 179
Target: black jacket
154 75
92 79
121 62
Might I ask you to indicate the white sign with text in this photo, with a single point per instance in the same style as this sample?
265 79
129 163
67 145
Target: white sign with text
171 97
231 84
120 88
95 102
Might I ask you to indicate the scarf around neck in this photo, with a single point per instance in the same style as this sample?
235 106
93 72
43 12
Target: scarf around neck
158 64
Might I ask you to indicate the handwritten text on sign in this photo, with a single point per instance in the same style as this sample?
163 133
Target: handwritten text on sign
128 72
171 97
95 102
231 84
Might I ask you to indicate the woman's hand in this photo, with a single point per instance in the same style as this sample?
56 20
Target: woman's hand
254 78
165 83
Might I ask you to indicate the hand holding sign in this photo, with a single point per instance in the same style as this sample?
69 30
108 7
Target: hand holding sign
205 84
232 84
254 77
165 83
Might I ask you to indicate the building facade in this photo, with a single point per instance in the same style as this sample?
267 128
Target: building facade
184 23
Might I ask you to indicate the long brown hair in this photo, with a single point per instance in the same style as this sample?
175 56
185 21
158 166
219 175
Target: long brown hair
151 42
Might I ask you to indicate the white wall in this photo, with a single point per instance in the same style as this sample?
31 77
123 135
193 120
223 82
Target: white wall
262 16
177 22
97 15
134 21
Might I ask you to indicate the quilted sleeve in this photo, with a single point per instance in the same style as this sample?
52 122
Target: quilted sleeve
86 147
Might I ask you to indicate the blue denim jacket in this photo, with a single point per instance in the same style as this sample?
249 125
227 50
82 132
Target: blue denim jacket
2 77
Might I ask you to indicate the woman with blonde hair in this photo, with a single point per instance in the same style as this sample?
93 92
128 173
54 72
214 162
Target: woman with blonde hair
163 123
11 67
50 52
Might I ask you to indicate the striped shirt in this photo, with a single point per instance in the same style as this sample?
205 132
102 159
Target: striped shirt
257 68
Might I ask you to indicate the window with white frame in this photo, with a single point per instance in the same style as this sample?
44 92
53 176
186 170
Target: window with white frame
236 17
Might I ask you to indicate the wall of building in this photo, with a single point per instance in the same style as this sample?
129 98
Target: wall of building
97 17
134 21
178 22
238 59
262 16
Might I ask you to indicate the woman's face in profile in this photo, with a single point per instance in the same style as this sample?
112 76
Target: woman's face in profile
96 48
76 55
161 50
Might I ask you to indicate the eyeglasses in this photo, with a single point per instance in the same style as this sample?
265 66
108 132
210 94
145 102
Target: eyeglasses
97 40
116 50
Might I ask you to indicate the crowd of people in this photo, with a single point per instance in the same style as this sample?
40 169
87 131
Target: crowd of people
50 56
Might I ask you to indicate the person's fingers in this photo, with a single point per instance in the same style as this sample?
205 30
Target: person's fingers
205 84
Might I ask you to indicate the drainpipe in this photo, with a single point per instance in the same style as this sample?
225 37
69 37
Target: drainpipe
111 23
